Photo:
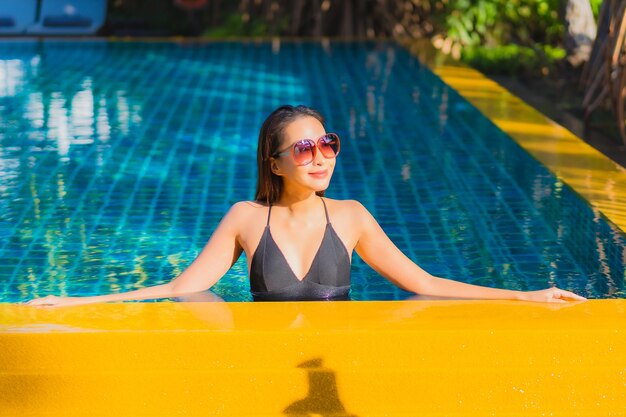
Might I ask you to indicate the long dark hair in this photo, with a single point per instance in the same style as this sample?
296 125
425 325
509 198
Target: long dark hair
269 186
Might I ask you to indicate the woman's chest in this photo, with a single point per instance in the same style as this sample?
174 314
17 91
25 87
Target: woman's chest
298 243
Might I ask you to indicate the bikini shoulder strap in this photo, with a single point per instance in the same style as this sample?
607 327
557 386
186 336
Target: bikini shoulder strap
325 211
268 216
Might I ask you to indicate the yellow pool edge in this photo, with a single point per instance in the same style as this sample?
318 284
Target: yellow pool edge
427 358
595 177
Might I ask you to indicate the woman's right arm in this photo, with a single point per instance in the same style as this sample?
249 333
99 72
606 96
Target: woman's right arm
215 259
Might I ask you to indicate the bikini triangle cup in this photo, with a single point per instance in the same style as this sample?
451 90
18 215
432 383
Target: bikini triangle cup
328 277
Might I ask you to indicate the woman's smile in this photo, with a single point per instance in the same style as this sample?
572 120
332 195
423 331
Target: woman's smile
320 174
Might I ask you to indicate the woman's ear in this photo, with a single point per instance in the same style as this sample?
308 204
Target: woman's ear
274 166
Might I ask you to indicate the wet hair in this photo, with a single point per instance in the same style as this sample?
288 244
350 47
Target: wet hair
269 186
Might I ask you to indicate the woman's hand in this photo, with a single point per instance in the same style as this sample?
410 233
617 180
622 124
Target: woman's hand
550 295
54 301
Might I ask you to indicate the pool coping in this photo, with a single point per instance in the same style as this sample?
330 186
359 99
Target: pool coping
592 175
369 358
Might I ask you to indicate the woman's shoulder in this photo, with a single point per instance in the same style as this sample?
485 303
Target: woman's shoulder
245 208
346 207
243 215
348 217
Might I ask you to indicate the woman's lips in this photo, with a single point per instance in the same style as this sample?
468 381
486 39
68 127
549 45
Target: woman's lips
319 174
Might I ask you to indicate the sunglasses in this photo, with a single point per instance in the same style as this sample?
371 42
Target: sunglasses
305 150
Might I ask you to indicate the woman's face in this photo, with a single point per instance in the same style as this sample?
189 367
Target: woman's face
314 176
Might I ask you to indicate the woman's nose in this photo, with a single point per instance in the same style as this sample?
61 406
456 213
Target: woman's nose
319 158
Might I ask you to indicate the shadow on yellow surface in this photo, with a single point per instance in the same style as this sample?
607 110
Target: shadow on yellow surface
323 396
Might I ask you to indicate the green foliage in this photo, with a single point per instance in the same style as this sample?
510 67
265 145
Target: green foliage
469 23
595 6
506 36
513 59
498 22
235 27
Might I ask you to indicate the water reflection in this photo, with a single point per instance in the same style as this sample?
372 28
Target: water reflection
117 160
11 76
112 171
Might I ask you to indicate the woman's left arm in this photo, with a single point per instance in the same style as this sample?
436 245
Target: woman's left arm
378 251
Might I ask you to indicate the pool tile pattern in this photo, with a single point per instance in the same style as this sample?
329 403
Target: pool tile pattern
118 160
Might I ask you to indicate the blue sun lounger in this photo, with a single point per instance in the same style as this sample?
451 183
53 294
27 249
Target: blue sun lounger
16 16
69 17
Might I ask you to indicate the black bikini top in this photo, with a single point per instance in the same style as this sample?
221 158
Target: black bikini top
272 279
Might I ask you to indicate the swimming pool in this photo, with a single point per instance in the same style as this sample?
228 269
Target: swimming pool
118 159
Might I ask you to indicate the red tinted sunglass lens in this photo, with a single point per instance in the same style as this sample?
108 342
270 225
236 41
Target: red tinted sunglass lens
329 145
303 152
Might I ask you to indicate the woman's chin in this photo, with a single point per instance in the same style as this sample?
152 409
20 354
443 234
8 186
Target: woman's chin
320 187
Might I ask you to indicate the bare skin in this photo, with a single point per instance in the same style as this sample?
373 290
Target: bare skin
297 225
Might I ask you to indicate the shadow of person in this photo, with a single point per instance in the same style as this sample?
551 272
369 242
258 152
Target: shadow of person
323 397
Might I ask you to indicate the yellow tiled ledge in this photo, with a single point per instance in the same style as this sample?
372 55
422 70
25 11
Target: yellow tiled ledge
596 178
411 358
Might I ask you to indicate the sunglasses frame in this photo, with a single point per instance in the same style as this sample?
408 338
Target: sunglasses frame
316 146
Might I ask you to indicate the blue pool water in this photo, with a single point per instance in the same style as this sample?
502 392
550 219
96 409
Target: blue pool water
117 160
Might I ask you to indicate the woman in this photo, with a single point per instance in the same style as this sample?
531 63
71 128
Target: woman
294 251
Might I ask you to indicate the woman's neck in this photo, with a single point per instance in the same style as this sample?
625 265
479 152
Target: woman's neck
298 202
